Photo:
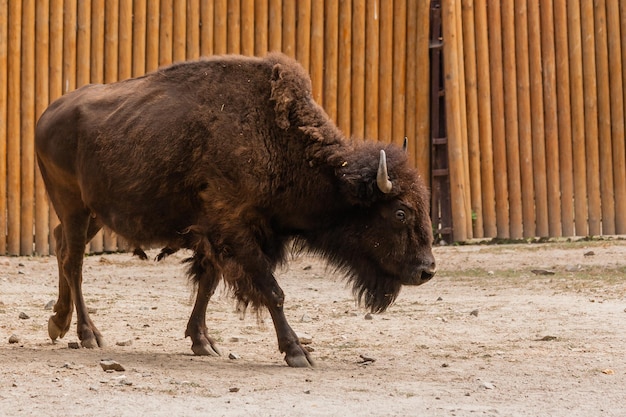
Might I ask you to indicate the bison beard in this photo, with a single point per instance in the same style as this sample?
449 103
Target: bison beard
231 158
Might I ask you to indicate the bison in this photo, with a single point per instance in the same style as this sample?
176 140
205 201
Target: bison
231 158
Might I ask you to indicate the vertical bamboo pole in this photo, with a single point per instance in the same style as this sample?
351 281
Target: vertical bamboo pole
422 89
617 112
111 73
207 18
357 99
372 44
471 98
125 54
525 119
83 44
604 119
398 102
153 11
511 122
550 117
139 37
27 129
303 34
69 46
331 34
13 127
55 81
275 25
289 28
591 117
193 29
344 76
261 15
96 75
166 27
566 168
578 117
247 27
4 36
233 23
410 121
484 119
498 121
220 29
622 14
385 72
453 111
537 115
463 114
180 31
317 49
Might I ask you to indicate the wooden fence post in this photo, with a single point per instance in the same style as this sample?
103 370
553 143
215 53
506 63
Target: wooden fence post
471 99
385 72
317 50
617 112
537 115
207 33
604 119
153 10
247 27
193 30
344 72
422 91
233 27
261 27
525 119
372 31
166 26
13 127
516 227
275 16
4 36
26 139
483 80
331 33
566 168
303 34
139 37
179 33
398 91
578 118
288 46
453 113
497 119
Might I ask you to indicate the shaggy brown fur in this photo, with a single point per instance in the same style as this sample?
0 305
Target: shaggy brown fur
231 158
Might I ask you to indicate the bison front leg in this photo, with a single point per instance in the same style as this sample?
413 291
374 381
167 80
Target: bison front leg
296 355
206 279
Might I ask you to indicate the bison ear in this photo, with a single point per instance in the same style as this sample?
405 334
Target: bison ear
281 96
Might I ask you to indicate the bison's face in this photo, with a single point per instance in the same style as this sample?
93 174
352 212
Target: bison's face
385 240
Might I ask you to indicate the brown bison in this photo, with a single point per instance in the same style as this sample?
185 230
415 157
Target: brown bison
231 158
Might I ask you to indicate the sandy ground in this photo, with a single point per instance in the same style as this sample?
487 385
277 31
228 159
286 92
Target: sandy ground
486 337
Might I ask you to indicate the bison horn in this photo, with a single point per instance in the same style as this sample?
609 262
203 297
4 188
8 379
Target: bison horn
382 178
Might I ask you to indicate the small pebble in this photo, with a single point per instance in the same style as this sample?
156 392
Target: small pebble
590 253
94 388
487 385
234 356
24 316
307 268
305 339
439 299
73 345
237 339
369 316
128 342
110 365
14 339
474 313
49 305
233 389
306 318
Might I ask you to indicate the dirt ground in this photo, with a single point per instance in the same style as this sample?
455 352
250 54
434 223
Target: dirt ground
486 337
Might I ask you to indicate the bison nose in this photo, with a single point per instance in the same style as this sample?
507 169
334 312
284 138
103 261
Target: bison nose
428 272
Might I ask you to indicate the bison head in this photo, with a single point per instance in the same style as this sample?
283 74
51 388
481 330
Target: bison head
383 240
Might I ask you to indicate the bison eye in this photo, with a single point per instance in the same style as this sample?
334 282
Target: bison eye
400 215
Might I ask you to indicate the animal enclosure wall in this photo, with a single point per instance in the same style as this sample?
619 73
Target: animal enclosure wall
368 61
534 94
535 99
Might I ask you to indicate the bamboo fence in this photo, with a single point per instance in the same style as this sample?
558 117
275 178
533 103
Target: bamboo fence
368 61
534 94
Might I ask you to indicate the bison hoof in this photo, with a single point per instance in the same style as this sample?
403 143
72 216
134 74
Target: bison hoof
205 350
299 361
89 343
54 331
